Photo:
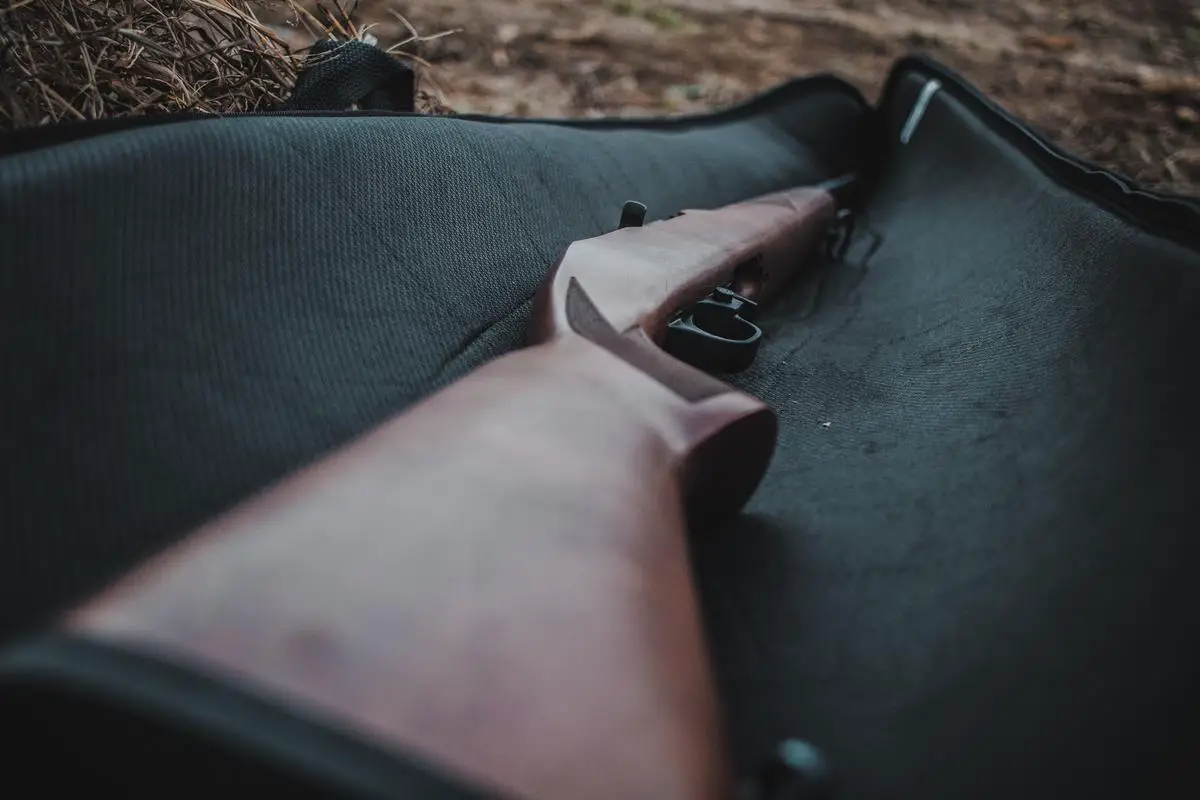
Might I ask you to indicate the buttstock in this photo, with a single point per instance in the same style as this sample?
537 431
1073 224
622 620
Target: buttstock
497 581
498 578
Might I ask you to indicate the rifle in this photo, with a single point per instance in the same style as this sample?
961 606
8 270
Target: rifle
498 578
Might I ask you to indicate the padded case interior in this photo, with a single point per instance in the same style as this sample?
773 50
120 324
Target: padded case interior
969 569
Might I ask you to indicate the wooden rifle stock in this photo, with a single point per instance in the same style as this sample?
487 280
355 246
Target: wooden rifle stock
498 579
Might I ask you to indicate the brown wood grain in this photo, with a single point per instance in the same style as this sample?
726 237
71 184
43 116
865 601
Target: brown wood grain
498 578
640 277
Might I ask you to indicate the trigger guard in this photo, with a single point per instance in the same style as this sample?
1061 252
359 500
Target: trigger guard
724 321
694 344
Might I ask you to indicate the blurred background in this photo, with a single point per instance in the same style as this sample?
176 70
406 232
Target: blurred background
1116 81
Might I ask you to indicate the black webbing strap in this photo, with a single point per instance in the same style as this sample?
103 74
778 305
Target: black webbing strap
341 75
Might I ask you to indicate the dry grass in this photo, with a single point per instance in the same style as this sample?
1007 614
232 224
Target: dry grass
86 59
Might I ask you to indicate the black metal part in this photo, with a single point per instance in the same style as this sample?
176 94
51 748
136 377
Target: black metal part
795 771
717 335
840 233
633 215
725 298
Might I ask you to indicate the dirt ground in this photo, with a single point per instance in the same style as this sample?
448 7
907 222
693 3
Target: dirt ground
1117 81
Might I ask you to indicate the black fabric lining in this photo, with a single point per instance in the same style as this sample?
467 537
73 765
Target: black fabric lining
1177 215
450 367
1174 215
26 139
134 724
970 569
236 298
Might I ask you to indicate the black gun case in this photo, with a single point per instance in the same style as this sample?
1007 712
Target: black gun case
968 573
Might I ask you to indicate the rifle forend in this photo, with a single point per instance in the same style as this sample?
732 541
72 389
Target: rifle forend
498 579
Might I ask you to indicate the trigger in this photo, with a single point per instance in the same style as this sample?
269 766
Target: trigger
717 335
